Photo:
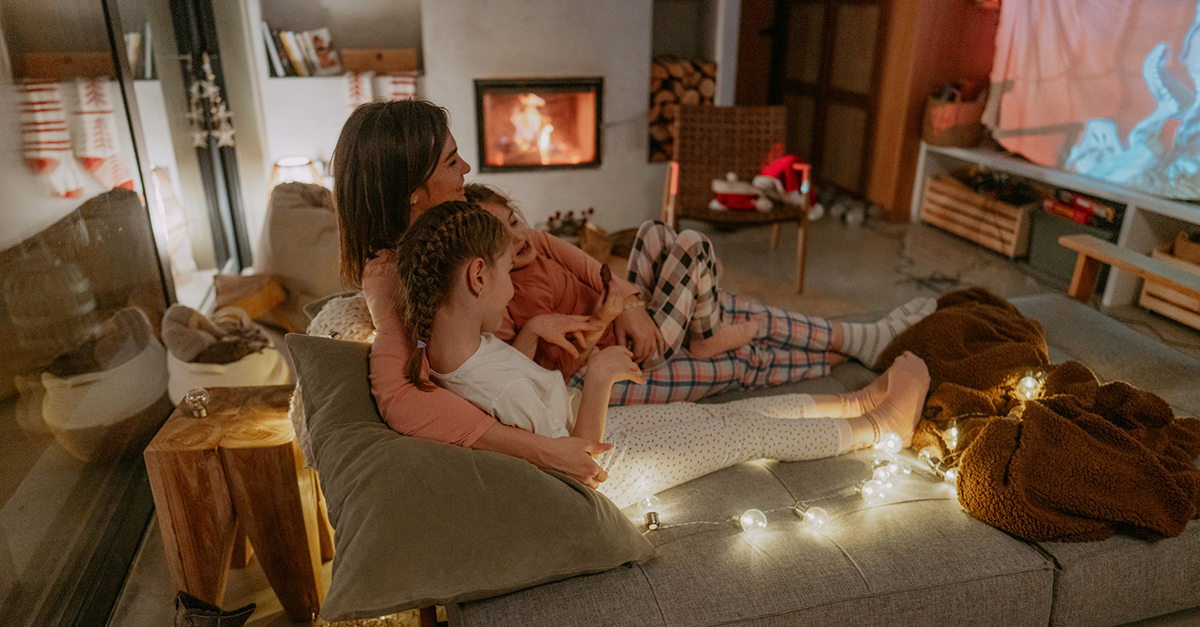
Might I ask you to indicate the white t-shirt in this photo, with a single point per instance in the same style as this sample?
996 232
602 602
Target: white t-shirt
503 382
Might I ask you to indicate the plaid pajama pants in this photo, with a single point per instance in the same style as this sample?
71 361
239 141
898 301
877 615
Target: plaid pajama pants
789 346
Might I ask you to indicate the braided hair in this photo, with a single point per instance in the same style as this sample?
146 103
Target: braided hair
432 251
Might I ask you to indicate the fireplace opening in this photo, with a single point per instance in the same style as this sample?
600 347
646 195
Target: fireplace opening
527 124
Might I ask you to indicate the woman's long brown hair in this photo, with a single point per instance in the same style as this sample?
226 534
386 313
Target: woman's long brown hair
386 151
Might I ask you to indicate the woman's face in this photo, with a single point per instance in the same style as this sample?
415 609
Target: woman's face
445 184
518 234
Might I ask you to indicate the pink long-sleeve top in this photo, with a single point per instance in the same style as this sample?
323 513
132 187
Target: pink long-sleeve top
561 279
438 414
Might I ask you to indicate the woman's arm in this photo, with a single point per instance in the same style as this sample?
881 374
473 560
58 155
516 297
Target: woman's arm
572 456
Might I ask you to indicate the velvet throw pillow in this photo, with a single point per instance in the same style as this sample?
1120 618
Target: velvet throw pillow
421 523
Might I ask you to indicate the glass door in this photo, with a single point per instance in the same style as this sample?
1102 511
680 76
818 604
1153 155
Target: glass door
98 234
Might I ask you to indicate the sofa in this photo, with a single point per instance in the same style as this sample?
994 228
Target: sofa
915 558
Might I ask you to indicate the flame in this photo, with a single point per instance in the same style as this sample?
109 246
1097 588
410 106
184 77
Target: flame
544 143
528 122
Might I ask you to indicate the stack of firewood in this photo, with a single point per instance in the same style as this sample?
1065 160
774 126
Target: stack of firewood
674 82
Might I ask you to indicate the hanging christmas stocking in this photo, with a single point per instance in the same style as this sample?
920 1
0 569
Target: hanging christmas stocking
359 90
45 142
94 134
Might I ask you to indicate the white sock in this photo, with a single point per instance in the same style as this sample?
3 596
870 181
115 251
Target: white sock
865 341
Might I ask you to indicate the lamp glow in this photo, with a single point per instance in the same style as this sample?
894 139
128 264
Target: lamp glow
890 444
752 520
1029 386
883 475
952 437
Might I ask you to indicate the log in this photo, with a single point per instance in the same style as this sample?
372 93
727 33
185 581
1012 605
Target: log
707 88
195 513
690 97
708 68
660 132
665 96
658 73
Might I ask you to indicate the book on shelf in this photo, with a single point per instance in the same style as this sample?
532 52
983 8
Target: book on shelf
304 53
138 48
273 60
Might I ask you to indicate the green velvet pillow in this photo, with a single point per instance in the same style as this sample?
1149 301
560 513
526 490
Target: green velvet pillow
423 523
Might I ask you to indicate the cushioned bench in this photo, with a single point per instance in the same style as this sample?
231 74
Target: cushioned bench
915 559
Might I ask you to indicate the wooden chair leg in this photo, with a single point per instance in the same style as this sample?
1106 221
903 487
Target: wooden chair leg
427 617
801 251
776 229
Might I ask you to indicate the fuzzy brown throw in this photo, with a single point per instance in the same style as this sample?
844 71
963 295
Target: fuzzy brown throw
1082 462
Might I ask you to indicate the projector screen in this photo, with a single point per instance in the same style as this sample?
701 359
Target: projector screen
1105 88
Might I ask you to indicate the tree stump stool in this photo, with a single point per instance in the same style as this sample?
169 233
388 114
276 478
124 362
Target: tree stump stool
233 475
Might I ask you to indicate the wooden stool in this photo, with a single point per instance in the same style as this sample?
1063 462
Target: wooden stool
237 470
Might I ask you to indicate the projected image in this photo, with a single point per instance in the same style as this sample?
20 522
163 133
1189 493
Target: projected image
1104 88
1144 159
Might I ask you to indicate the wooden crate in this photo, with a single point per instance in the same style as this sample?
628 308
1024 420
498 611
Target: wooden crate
1167 301
949 204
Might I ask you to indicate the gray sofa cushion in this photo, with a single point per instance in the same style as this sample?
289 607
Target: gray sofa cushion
918 559
420 522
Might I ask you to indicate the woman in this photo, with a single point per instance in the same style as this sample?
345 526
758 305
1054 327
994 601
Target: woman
394 161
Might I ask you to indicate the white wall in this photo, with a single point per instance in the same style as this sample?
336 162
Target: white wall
470 39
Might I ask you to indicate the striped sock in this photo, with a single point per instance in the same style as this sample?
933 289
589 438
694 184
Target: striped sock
865 342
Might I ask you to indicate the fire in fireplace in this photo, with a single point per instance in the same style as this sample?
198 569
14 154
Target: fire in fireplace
526 124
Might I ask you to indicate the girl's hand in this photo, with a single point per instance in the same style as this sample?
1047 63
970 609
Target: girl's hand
576 457
635 327
610 305
564 331
614 364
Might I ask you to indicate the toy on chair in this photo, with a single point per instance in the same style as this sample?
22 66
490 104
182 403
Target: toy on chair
738 195
784 178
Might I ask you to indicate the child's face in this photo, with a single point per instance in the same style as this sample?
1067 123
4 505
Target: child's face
523 252
497 291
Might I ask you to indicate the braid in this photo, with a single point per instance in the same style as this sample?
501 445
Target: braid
429 255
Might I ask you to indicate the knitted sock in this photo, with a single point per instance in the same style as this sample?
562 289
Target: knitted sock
44 138
865 342
95 134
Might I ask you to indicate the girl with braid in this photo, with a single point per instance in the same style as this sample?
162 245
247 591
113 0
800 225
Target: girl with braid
454 263
393 162
703 340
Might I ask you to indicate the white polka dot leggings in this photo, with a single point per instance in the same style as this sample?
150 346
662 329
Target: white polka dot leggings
656 447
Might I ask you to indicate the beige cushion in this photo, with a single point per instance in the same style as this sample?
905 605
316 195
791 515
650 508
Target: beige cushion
420 522
300 245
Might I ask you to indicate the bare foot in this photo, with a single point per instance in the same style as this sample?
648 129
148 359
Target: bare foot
727 337
900 409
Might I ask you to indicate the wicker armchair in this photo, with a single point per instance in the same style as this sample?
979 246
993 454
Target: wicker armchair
712 141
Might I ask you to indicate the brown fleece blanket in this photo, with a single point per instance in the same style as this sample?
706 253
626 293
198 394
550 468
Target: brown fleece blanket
1082 462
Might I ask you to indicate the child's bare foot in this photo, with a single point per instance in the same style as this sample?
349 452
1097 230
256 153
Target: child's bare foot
727 337
900 409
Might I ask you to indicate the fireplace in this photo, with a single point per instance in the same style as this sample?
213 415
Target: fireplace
535 124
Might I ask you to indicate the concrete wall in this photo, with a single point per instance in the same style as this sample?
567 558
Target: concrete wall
472 39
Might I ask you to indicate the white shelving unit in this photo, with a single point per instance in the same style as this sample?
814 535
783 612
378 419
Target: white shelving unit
1149 220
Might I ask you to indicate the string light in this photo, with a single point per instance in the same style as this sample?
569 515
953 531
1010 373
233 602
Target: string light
652 520
752 520
1029 386
890 444
872 491
813 517
931 456
951 435
647 505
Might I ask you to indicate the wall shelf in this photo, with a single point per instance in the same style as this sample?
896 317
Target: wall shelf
1149 220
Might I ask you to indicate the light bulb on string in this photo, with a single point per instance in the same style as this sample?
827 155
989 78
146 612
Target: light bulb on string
752 520
813 518
890 444
1029 386
872 491
649 504
882 475
930 456
952 435
952 477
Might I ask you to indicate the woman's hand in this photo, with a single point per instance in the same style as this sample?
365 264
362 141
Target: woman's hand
576 457
635 328
564 331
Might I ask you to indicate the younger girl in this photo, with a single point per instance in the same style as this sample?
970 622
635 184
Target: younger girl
732 343
454 263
